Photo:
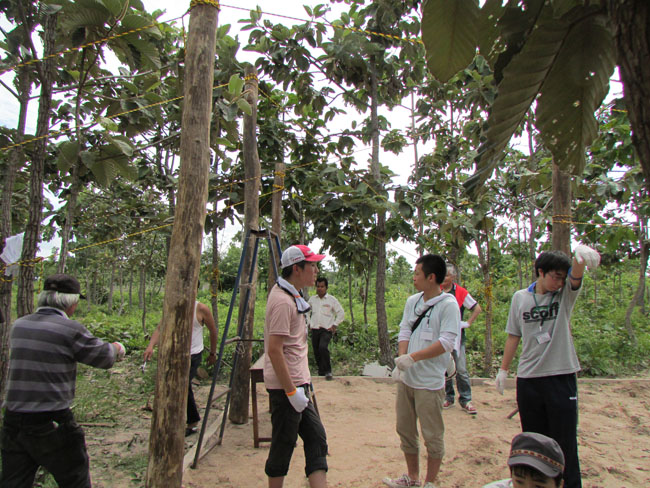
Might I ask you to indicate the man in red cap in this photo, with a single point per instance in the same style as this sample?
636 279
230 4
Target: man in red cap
286 372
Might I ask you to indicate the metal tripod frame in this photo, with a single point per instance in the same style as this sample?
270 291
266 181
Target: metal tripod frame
275 256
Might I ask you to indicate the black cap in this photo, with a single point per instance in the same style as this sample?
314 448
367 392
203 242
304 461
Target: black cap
63 283
537 451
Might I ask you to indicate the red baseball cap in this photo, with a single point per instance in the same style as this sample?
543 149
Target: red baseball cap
296 254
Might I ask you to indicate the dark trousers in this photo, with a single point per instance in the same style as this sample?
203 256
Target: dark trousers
49 439
549 406
320 341
287 425
192 411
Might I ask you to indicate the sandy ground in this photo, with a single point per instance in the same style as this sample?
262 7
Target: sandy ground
359 416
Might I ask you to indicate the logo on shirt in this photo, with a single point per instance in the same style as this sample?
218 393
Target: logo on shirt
542 312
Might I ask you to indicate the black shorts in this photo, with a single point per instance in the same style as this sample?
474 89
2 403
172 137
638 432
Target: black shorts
287 425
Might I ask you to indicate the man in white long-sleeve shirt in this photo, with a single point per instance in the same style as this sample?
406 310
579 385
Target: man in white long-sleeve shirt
428 331
323 319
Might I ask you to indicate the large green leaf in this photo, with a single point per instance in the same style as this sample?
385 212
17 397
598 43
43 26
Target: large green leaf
104 171
68 153
522 81
488 31
449 34
573 91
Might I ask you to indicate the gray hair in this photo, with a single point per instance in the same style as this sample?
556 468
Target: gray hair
62 301
451 270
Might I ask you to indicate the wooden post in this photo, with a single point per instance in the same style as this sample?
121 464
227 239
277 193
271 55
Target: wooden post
167 439
276 216
252 174
561 237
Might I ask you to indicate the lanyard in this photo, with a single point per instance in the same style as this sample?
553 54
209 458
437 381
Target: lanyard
539 307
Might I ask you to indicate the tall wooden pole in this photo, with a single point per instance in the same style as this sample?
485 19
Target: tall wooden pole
561 237
276 215
252 173
167 440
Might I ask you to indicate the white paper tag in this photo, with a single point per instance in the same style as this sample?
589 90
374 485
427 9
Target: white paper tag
543 338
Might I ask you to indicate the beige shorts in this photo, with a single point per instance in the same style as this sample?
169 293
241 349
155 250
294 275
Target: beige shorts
426 405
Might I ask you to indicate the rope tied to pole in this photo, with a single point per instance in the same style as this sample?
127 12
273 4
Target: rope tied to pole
213 3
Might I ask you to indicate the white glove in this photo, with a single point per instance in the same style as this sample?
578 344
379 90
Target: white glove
396 374
464 325
298 399
120 351
500 382
587 256
404 362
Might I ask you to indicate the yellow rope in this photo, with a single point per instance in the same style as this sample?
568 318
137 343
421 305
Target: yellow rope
213 3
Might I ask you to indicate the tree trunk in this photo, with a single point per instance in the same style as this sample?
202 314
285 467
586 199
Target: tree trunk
484 264
630 19
15 161
532 246
385 353
25 296
252 174
350 294
276 218
111 288
142 290
214 277
167 441
561 238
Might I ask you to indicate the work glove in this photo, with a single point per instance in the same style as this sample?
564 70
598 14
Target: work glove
298 399
464 325
404 362
120 351
587 256
500 382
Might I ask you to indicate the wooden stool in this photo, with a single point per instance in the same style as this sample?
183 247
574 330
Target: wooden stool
257 376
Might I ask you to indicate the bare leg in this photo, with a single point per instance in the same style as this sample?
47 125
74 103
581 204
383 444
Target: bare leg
318 479
433 468
276 482
412 466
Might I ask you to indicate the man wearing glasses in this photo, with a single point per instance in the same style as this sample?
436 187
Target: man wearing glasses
547 393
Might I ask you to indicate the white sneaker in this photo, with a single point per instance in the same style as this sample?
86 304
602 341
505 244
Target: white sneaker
429 484
401 482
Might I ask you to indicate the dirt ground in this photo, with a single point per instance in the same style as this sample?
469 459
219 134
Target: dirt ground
359 416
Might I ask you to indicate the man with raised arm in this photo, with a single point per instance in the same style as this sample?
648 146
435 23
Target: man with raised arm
547 390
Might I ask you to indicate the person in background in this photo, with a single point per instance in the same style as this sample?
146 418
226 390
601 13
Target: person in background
202 316
39 428
536 461
547 389
286 372
465 302
323 319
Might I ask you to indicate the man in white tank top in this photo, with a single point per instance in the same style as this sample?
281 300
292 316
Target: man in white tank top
202 316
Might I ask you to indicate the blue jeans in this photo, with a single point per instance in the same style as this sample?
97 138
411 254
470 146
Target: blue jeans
49 439
462 377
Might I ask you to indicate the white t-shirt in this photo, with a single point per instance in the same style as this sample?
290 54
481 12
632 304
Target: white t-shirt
543 323
197 334
428 374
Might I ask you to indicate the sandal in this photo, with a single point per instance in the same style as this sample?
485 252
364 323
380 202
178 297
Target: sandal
469 408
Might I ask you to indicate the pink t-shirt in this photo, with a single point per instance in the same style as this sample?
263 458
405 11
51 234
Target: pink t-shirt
283 319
